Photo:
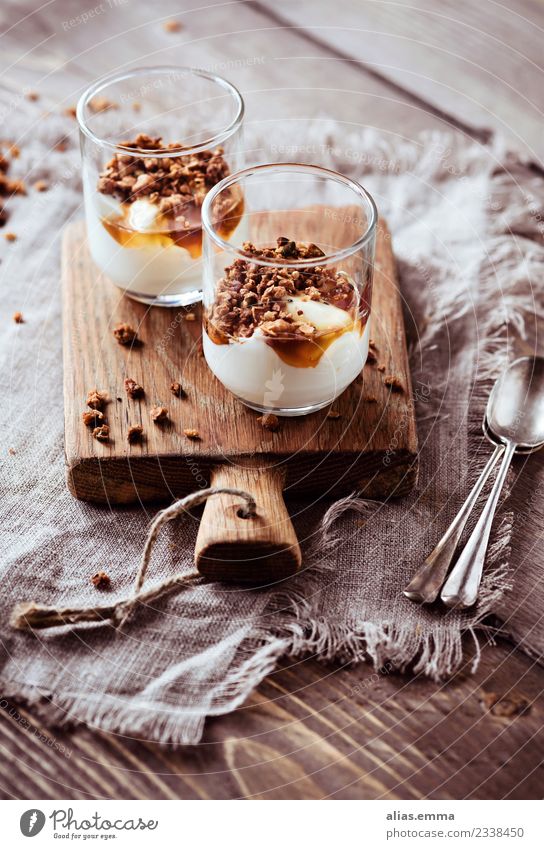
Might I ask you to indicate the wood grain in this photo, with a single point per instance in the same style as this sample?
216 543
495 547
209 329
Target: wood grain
337 733
372 446
311 732
478 63
230 547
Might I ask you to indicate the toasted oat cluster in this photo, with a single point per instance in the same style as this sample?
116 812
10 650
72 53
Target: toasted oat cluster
101 580
125 334
170 182
133 389
158 413
251 295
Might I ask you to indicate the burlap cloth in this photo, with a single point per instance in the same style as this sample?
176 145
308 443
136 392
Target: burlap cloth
467 232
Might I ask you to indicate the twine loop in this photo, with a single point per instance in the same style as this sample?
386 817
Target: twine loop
31 615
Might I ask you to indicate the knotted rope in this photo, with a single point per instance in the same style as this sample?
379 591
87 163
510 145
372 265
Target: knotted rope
31 615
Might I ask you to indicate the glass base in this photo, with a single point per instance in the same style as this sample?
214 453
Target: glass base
183 299
287 412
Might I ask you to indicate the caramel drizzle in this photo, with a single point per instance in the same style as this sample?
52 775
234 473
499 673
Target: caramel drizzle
295 351
166 235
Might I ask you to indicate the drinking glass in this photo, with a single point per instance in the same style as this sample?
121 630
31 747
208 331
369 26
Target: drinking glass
287 295
153 142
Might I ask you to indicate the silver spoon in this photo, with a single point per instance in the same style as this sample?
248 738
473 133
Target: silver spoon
526 372
515 417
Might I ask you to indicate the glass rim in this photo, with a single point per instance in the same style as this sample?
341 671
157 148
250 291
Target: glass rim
103 82
335 256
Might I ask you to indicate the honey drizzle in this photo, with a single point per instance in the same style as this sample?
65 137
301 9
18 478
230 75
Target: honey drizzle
295 351
166 236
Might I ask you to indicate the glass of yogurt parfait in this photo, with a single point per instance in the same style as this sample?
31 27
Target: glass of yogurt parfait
153 142
287 295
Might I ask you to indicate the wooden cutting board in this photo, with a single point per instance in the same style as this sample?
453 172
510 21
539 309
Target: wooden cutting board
372 446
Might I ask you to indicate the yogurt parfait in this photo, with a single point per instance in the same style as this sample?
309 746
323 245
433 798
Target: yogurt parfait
144 190
286 323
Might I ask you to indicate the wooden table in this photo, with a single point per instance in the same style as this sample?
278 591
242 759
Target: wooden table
312 731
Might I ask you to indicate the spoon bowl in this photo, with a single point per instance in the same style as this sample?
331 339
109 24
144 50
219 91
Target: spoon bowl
515 409
494 440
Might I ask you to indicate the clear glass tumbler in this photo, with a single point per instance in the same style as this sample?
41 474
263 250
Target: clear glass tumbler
287 294
153 142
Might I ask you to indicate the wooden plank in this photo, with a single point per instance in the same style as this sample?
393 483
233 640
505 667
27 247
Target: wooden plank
479 62
372 445
281 80
309 732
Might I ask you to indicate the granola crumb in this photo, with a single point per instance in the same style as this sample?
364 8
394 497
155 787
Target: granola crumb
334 414
158 414
61 146
372 344
381 368
32 95
125 334
12 187
133 389
172 26
102 104
14 151
371 358
394 383
191 433
18 318
70 111
95 399
92 417
10 237
135 434
101 581
136 106
177 389
269 421
102 433
12 452
371 399
41 185
190 316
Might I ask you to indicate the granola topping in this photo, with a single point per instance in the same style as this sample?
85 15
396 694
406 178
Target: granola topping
161 198
125 334
96 400
133 389
101 581
169 181
191 433
394 383
158 414
102 433
299 311
92 418
177 389
269 422
135 434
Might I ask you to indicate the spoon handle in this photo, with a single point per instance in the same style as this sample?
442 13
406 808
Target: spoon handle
426 583
461 588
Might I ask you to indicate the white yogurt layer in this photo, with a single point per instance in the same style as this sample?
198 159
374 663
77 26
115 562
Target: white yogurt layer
151 270
252 370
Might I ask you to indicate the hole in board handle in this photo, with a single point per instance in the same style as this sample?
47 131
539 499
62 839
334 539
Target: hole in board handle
244 513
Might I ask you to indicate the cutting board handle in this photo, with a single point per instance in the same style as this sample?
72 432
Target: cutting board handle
258 549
